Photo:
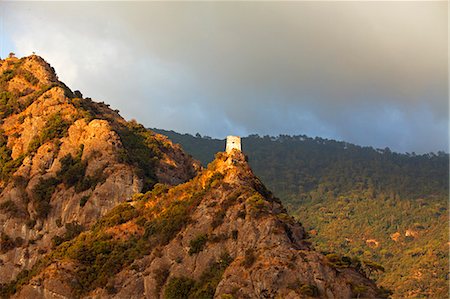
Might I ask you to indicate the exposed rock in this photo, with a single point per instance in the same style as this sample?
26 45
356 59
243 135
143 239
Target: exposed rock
49 124
234 222
395 236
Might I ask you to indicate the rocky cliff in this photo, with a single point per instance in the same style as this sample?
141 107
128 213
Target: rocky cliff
220 235
93 206
65 161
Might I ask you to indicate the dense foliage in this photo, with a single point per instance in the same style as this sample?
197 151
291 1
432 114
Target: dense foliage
371 204
141 150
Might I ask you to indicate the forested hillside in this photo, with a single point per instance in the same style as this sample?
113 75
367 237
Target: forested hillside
373 204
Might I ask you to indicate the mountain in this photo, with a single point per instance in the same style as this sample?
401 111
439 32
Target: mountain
65 161
222 235
372 204
94 206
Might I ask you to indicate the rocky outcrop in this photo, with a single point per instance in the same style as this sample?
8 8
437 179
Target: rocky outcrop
45 125
220 235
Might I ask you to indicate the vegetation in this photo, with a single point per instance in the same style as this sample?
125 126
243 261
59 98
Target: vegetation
8 165
179 288
309 290
72 170
42 194
204 288
196 245
10 208
249 258
73 229
141 149
55 127
101 252
7 243
347 195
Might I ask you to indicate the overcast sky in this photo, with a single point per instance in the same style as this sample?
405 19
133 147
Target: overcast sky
370 73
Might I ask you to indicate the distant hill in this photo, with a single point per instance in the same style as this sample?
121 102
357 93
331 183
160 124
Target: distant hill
370 203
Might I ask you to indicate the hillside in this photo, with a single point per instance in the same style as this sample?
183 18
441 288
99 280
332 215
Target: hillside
220 235
367 203
65 161
94 206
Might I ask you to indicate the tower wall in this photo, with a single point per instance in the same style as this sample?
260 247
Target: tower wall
233 142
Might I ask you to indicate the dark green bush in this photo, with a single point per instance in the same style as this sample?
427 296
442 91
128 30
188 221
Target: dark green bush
7 75
196 245
56 127
72 170
11 209
160 275
84 200
141 149
118 215
8 104
218 218
178 288
42 194
249 258
6 243
28 76
205 287
73 229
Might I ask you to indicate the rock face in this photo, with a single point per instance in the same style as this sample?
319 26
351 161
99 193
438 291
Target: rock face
65 161
220 235
73 223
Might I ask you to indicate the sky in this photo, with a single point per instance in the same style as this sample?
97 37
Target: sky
372 73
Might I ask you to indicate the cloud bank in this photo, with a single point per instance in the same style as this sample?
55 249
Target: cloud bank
371 73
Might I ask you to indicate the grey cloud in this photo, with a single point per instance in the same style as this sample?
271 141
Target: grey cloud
373 73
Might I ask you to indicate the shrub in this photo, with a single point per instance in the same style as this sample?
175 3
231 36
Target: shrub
178 288
6 243
257 205
28 76
73 229
241 214
72 170
8 104
309 290
169 222
358 290
42 194
160 275
118 215
197 244
10 167
11 208
249 258
7 75
218 218
206 286
55 127
141 149
84 200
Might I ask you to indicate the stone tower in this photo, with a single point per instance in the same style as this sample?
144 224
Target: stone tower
233 142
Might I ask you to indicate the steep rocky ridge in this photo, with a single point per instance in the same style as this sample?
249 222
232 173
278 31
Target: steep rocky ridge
221 235
65 161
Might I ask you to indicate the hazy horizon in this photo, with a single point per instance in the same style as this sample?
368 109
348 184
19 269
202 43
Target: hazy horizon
369 73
